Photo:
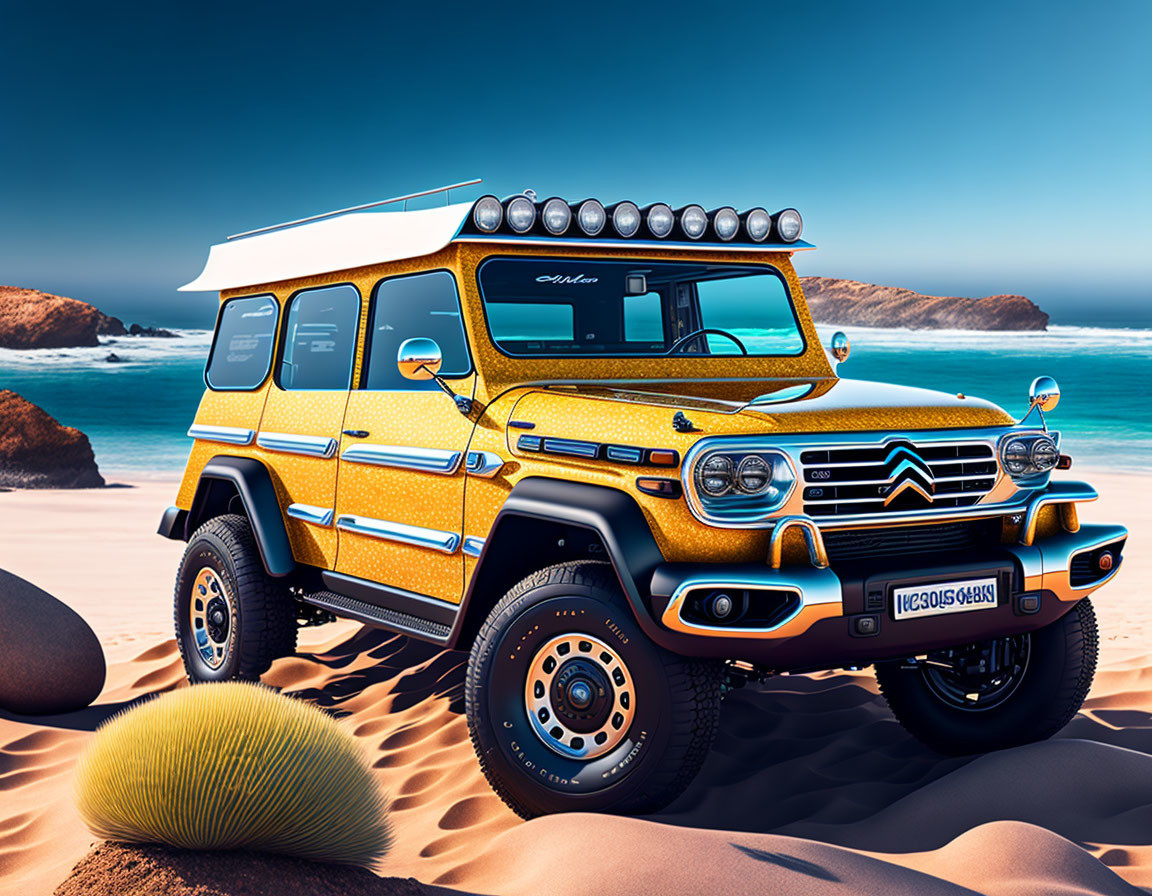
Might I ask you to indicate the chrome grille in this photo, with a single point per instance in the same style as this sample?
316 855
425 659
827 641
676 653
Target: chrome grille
898 476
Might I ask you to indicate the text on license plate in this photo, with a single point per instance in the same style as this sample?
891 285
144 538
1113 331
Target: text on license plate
912 601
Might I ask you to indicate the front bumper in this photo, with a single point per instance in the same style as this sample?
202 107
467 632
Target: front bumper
829 615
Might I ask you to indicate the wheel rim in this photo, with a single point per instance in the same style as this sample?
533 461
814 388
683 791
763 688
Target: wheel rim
579 696
210 612
978 677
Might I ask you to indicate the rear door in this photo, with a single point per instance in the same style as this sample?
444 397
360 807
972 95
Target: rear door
400 502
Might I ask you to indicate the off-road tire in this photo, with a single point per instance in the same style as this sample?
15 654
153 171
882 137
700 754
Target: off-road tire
1061 665
263 620
677 701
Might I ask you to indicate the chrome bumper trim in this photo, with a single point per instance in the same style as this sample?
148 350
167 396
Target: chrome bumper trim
484 463
1056 493
402 533
426 460
308 513
291 443
229 435
817 555
473 546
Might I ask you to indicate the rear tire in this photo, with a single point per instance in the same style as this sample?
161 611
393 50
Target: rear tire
571 707
1056 665
232 618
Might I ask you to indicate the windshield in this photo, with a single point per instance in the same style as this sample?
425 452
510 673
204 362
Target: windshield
565 307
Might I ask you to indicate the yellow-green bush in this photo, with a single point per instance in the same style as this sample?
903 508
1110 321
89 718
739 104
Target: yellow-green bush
233 766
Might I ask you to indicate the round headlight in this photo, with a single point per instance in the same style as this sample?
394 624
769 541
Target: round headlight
788 225
660 220
556 216
1016 456
591 217
521 213
693 221
725 222
715 476
626 218
487 214
1044 454
754 474
757 222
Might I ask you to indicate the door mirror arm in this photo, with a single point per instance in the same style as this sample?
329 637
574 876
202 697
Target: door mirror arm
463 405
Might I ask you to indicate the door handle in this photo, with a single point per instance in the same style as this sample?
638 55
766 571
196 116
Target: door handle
356 433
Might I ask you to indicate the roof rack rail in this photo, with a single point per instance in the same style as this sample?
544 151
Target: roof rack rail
358 208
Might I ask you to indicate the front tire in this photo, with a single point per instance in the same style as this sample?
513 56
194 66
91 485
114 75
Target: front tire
232 618
1030 687
571 707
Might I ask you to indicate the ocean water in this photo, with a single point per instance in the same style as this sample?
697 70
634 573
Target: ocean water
137 412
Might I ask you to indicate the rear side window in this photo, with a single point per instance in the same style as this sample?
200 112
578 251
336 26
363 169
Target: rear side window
242 350
419 305
320 338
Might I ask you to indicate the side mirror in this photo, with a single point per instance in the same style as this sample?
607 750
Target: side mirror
1044 393
419 359
841 347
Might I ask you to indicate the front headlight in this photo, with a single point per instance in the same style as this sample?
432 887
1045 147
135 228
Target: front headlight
740 483
1025 455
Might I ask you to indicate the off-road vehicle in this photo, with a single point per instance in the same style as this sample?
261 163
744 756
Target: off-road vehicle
602 448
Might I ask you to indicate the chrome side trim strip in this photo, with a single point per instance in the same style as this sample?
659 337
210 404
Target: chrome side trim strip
309 513
427 460
484 463
230 435
402 533
473 545
291 443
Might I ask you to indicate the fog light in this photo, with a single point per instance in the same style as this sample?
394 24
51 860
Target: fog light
693 221
591 217
757 222
660 220
626 218
789 225
1104 561
488 214
720 606
725 222
556 216
521 213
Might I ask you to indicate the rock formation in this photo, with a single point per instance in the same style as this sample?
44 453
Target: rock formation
37 452
852 303
50 660
33 319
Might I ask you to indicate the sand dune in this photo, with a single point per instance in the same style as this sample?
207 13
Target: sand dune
811 788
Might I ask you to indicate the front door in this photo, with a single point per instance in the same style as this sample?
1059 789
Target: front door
400 500
304 413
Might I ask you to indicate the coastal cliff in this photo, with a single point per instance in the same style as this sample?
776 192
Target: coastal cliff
30 318
37 452
852 303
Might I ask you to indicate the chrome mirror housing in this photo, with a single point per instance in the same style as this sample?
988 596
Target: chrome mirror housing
841 347
419 359
1044 393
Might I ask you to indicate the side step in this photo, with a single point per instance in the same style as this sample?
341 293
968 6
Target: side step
395 620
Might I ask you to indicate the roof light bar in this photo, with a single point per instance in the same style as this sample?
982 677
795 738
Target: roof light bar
488 214
693 221
757 224
556 216
789 225
520 212
591 217
625 218
660 219
726 223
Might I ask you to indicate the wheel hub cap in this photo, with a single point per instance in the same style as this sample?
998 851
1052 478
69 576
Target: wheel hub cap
579 696
210 614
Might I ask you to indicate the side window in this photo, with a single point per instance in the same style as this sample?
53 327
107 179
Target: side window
644 318
320 338
409 307
242 349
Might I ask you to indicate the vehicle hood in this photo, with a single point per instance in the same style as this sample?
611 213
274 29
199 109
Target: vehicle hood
642 413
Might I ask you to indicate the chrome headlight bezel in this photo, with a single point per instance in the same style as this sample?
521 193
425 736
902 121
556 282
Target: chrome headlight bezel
1028 457
736 507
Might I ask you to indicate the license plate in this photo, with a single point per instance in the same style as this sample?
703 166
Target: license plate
914 601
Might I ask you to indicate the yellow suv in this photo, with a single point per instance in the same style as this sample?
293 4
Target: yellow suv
602 448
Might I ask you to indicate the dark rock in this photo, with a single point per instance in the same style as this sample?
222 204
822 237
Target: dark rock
37 452
851 303
50 660
110 326
113 358
137 330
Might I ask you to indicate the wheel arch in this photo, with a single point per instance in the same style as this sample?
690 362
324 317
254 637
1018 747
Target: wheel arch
592 521
226 480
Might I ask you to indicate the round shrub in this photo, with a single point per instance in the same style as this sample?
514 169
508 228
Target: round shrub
233 766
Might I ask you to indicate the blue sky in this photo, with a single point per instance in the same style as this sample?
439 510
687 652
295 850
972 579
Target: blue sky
964 149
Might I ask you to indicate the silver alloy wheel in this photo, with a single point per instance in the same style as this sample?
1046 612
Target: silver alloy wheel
210 612
579 696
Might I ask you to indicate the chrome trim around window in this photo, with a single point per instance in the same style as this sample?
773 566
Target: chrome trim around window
426 460
308 513
473 545
230 435
402 533
484 463
291 443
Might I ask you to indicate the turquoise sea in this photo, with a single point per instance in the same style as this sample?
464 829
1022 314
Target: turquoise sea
137 412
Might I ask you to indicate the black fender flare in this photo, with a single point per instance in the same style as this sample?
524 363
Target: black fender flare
253 483
610 513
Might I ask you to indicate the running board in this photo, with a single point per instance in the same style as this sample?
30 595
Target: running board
382 617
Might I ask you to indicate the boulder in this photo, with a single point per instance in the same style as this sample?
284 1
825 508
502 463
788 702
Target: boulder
50 660
37 452
137 330
33 319
110 326
851 303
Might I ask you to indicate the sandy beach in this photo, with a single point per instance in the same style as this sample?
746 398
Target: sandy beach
811 787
